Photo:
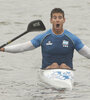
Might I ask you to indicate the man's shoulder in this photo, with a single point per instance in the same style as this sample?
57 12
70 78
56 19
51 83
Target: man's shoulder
45 34
41 36
66 32
76 41
36 41
70 35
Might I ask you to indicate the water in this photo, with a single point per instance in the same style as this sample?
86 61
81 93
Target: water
19 72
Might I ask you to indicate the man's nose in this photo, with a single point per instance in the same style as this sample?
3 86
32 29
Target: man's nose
57 19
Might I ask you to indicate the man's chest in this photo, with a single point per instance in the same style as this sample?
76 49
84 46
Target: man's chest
57 45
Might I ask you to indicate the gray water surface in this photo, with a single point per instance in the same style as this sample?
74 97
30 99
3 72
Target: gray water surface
19 72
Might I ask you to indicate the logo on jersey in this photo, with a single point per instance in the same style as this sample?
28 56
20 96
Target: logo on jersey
65 43
49 43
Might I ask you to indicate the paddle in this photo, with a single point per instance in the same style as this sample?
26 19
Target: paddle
36 25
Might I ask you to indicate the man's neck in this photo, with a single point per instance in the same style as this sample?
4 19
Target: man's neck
58 32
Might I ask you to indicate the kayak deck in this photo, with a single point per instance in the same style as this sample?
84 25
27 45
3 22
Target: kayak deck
58 78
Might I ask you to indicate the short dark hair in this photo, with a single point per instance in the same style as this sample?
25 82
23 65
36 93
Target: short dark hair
57 10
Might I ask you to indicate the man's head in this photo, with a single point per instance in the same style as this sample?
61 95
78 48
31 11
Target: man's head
57 20
57 10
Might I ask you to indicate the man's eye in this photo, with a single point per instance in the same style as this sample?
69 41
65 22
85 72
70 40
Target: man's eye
60 17
54 17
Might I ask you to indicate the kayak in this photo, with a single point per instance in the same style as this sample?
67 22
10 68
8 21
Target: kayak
58 78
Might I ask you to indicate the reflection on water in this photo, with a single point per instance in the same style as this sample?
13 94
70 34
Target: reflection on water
19 72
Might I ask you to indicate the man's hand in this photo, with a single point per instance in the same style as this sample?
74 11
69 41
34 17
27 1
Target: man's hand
2 49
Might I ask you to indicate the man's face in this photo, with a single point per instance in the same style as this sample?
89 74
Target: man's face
57 21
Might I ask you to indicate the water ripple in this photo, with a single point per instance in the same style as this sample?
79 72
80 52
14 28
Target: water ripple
4 23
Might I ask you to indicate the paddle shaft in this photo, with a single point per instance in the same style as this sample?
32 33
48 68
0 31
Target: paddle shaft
13 39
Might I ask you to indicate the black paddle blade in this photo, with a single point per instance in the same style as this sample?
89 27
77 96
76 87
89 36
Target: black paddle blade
36 25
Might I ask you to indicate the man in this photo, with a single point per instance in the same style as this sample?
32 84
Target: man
57 44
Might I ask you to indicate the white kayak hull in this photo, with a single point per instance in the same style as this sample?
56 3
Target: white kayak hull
58 78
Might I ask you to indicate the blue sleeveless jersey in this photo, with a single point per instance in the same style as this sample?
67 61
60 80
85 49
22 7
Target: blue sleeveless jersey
57 48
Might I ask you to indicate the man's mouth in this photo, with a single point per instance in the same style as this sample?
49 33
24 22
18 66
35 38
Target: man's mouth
57 25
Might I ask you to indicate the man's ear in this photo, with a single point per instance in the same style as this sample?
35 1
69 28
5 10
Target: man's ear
64 20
